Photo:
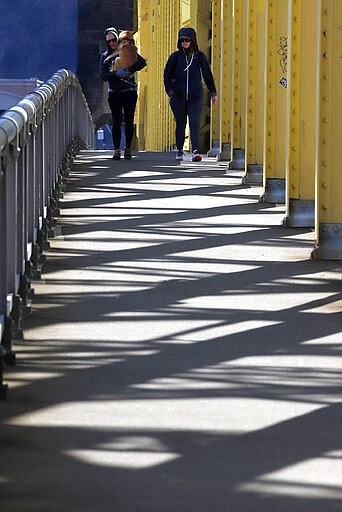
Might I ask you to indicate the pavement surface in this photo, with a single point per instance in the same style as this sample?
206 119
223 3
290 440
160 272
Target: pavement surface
183 355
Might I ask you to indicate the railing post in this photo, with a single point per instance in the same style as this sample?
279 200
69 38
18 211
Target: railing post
39 138
3 288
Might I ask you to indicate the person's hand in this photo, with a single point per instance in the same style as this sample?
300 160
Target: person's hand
214 99
123 73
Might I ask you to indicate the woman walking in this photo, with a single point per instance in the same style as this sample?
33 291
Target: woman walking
183 75
122 92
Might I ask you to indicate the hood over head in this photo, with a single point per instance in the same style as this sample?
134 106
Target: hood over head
187 32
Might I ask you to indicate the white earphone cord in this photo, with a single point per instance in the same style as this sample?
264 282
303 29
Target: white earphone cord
192 56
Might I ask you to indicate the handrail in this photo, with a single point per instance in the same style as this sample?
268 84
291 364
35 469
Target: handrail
39 138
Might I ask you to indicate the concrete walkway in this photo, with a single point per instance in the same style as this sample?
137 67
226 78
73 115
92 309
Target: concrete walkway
184 353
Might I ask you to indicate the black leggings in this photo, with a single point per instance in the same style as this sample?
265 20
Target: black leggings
122 103
181 110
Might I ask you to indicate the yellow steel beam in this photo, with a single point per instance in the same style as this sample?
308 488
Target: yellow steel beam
301 114
215 66
185 12
275 101
142 11
200 20
329 129
239 83
225 85
255 92
159 22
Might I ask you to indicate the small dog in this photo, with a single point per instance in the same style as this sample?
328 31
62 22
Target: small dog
127 51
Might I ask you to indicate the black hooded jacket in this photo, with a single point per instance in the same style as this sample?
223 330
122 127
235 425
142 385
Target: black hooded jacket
183 73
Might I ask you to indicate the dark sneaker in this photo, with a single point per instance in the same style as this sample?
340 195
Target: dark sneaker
179 156
128 154
196 157
117 154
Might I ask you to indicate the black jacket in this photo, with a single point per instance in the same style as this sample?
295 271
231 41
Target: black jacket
115 83
183 73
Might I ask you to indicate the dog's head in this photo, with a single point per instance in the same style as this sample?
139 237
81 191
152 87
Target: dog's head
126 38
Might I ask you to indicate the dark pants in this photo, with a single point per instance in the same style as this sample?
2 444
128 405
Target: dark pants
182 109
122 105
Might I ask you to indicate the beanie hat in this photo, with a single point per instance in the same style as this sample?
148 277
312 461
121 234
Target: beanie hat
113 31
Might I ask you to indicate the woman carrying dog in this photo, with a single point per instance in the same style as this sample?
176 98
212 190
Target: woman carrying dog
183 84
122 92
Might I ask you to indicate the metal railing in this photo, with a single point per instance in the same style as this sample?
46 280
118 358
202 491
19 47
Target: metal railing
39 139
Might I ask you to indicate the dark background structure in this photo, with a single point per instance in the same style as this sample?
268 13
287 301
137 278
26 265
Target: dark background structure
38 37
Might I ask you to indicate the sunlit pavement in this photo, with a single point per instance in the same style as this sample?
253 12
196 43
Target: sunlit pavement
184 352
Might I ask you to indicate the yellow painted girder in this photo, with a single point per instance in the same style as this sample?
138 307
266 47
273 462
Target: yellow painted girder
239 73
329 183
215 66
255 70
301 111
225 84
275 92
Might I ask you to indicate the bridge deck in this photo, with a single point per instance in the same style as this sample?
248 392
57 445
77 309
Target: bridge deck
183 354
